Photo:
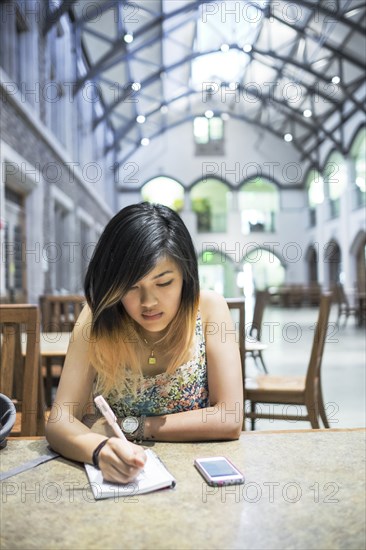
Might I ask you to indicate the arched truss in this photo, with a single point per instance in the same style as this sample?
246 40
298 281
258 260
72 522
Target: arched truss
299 45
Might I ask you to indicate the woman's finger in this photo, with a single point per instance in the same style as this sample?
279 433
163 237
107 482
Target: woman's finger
120 462
131 454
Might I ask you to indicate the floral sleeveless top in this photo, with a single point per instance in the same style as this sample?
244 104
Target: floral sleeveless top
185 389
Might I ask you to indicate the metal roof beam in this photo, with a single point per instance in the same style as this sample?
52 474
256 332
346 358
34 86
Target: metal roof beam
320 141
155 76
53 17
265 100
94 11
316 38
99 35
121 46
333 16
120 33
149 80
188 118
318 75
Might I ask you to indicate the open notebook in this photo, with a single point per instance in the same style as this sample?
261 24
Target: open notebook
154 476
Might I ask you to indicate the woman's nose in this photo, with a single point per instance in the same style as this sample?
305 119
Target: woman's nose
147 298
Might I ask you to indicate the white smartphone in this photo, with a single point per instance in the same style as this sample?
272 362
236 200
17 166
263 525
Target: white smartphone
218 470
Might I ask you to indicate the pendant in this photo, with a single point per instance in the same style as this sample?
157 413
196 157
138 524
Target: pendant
152 360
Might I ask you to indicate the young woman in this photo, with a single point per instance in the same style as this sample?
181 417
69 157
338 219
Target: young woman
162 353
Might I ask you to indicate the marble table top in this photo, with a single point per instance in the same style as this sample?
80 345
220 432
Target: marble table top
303 490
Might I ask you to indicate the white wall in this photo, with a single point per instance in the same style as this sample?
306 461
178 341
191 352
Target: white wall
247 150
250 151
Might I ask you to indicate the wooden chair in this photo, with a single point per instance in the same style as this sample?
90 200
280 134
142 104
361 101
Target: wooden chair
261 300
237 309
238 304
20 377
344 307
58 314
295 390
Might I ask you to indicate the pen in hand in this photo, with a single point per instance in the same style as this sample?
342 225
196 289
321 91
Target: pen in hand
110 417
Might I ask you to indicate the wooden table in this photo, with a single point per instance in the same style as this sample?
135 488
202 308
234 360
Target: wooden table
303 489
53 345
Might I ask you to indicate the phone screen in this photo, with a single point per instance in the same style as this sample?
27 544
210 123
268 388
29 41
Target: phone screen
218 468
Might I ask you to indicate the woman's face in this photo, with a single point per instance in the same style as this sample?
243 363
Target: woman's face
154 300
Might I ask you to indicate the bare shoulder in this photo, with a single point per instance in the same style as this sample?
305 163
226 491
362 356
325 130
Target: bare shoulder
212 305
84 320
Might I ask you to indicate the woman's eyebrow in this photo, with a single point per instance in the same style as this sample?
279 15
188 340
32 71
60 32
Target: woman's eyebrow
164 273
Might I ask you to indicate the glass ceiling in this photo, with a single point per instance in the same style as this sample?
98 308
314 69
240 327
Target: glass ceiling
290 68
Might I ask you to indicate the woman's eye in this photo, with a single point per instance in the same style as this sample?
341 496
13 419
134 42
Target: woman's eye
165 284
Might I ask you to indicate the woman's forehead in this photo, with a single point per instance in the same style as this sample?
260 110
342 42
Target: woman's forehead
164 265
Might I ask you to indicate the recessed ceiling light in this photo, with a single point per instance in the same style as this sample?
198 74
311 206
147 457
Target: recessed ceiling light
136 86
336 80
140 119
307 113
128 38
247 48
209 114
225 47
288 137
145 141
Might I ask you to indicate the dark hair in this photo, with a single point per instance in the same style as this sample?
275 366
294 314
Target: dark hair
129 248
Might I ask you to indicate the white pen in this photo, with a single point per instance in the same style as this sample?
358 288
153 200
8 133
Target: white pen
110 417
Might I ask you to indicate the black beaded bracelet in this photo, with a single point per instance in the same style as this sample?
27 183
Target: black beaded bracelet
97 451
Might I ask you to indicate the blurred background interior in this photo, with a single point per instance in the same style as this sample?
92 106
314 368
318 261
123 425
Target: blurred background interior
247 118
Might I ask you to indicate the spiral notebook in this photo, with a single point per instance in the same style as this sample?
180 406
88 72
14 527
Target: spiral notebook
153 477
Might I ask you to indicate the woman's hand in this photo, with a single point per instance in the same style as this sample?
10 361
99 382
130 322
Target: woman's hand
121 462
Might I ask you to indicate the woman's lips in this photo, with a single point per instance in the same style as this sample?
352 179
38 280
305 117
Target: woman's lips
152 316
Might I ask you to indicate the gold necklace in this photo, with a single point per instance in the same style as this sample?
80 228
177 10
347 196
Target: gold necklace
152 358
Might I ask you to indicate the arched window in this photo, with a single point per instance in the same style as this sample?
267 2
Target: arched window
258 203
209 202
335 179
311 257
358 255
358 156
217 272
163 190
315 190
262 269
333 261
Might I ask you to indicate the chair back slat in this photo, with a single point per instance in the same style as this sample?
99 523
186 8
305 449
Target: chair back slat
261 299
78 306
8 359
21 378
238 304
56 316
321 329
60 312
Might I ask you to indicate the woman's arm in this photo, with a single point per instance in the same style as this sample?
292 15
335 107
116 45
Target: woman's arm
67 434
222 420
